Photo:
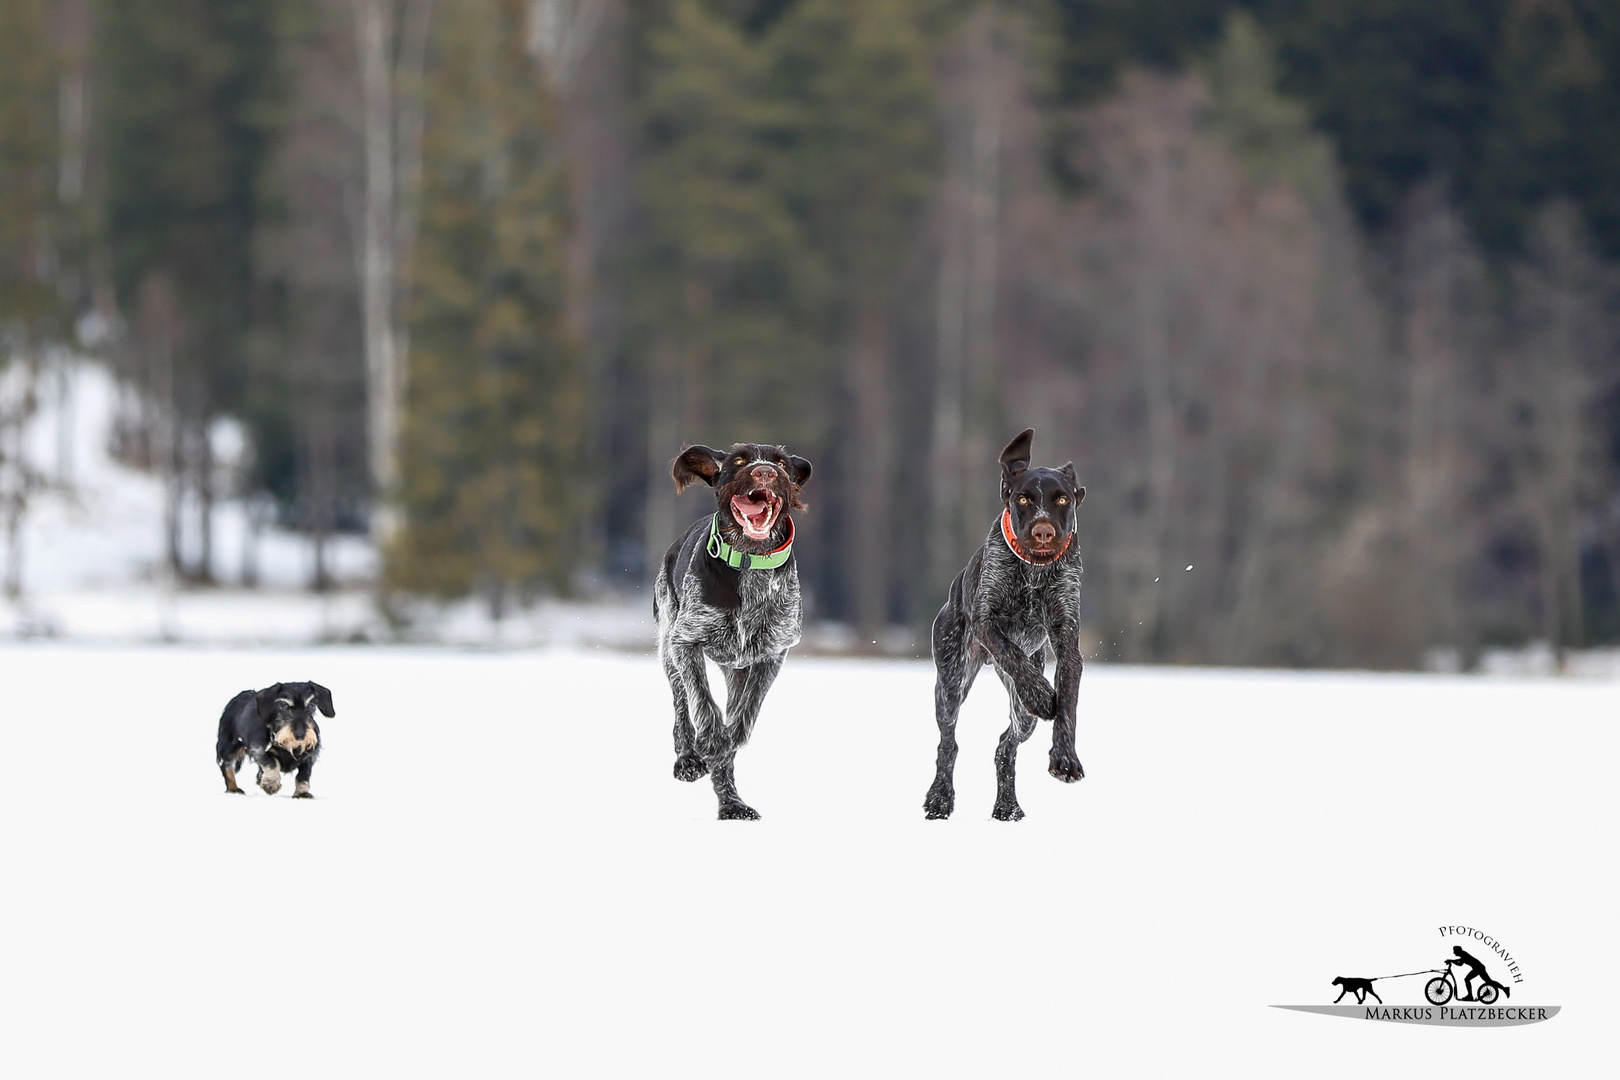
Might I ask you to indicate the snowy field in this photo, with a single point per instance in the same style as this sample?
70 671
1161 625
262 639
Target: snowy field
498 876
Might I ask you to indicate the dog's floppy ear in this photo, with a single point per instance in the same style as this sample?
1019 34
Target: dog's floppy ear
693 464
323 700
1015 459
1074 482
267 697
801 469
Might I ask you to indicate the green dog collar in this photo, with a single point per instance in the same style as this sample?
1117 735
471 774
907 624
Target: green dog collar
740 560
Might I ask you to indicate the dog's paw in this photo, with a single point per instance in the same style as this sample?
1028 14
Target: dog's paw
1040 701
302 795
1066 767
269 780
1007 812
689 767
940 802
738 812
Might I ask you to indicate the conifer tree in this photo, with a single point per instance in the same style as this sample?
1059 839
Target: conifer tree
31 226
494 404
30 216
864 160
190 99
735 278
730 285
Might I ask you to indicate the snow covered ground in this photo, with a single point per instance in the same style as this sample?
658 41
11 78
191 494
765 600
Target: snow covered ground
499 877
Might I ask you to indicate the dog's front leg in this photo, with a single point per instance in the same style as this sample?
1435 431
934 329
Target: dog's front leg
745 693
1022 673
1064 760
301 788
688 762
269 777
1019 728
956 663
687 662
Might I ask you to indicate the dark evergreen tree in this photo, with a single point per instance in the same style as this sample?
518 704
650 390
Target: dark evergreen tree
863 160
494 410
189 101
32 216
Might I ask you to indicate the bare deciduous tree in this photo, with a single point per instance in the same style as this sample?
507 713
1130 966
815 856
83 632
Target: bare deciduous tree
1566 337
391 44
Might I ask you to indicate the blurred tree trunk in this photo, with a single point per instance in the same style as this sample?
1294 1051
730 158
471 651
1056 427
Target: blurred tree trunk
19 478
1441 279
664 386
204 483
1567 332
496 403
32 256
583 43
391 40
975 88
868 525
159 328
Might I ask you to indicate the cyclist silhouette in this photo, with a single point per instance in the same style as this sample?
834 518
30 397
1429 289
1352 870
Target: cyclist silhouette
1476 970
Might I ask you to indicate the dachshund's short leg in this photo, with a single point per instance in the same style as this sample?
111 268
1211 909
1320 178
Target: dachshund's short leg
228 770
301 788
270 777
1022 725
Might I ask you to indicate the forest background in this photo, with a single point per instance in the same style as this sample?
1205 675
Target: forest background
1320 296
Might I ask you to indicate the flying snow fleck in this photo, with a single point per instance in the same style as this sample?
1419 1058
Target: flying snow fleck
1189 568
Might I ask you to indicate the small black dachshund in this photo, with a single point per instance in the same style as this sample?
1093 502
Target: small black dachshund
1019 593
276 727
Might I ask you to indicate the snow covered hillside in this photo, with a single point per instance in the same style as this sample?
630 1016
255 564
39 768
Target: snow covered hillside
498 876
93 557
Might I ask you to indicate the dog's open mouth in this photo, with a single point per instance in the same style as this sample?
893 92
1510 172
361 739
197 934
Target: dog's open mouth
756 512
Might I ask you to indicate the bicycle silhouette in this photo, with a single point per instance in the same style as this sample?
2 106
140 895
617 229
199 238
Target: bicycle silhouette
1443 987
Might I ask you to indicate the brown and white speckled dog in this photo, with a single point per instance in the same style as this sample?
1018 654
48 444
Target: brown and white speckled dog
1018 593
729 590
275 727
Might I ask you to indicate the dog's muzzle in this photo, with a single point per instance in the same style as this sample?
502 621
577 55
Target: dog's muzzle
293 744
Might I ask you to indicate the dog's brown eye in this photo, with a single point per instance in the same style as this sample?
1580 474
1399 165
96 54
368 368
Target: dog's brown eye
1023 500
1063 500
740 461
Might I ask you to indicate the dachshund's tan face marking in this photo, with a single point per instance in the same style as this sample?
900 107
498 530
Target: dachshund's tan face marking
292 743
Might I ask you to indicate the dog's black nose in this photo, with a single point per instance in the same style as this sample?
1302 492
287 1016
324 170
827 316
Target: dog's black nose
1043 533
763 474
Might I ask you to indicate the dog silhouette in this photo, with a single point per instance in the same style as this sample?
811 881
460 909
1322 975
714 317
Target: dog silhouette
1359 987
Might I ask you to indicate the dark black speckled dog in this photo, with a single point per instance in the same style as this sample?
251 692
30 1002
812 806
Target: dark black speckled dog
729 590
1019 592
275 727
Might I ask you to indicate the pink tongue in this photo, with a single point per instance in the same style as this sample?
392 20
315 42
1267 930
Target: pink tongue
754 514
